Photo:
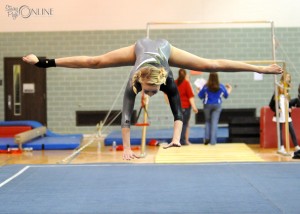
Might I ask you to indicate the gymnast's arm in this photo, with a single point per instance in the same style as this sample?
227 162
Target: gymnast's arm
173 96
128 105
183 59
120 57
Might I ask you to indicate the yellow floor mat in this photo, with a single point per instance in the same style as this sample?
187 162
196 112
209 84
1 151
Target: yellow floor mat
199 153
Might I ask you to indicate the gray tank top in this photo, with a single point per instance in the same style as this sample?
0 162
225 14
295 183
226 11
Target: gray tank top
157 53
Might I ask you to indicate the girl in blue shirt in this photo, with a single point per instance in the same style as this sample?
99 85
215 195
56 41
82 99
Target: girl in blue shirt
212 94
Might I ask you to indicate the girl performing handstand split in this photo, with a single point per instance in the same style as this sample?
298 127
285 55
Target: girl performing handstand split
151 61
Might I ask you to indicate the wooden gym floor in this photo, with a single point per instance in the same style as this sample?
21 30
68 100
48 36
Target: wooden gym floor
154 154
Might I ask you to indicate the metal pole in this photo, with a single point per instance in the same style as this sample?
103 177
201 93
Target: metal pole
275 86
203 23
148 30
286 112
144 130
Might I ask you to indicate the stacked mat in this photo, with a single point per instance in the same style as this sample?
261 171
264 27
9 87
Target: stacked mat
47 140
230 152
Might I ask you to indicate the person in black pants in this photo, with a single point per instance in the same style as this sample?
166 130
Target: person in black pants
292 103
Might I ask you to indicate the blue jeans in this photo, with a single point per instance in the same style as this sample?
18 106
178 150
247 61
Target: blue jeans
211 114
186 118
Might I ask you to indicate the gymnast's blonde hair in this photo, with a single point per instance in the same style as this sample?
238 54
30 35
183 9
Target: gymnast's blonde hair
285 83
150 75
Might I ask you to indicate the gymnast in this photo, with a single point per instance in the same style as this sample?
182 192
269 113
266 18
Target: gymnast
151 61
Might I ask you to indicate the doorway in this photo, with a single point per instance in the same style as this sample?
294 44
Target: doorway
24 91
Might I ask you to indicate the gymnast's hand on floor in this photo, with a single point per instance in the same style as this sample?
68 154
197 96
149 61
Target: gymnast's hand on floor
272 69
30 59
172 144
128 154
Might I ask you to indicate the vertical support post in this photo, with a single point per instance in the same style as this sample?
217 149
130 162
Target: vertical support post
145 101
98 138
286 112
275 86
148 30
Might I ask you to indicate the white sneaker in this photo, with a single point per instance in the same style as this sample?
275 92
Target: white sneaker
297 148
282 151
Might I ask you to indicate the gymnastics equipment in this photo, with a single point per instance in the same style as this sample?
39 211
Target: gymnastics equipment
33 140
24 137
33 124
11 131
257 22
97 137
144 105
286 107
268 127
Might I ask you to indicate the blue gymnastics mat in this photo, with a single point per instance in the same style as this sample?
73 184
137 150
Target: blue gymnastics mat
35 124
240 188
196 135
47 143
51 140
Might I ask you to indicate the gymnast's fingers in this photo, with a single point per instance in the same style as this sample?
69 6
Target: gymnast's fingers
129 155
126 155
135 156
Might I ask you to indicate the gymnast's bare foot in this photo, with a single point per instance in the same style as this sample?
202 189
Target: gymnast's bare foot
188 142
31 59
172 144
272 69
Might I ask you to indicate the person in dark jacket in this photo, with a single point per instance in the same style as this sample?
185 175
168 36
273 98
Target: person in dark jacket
281 119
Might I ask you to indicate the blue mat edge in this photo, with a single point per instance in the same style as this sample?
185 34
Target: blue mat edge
165 135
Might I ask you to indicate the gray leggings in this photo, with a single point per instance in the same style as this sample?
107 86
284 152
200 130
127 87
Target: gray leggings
292 133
